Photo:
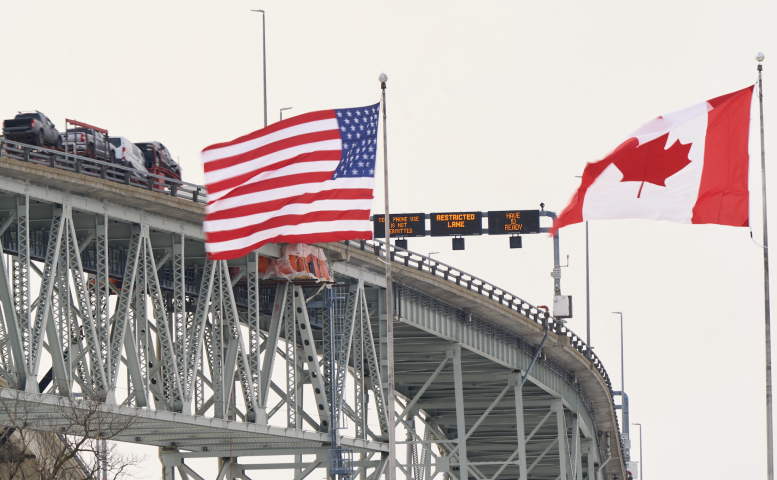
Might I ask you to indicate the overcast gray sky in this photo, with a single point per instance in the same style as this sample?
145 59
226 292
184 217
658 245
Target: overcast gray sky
492 105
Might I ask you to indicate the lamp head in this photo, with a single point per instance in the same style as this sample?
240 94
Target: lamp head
760 57
383 78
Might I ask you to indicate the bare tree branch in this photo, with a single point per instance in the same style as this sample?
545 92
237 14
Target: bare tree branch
62 441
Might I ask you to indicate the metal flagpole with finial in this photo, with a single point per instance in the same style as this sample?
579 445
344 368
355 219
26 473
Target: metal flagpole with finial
383 78
767 312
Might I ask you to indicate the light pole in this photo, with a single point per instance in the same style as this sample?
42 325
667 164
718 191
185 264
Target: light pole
623 387
284 108
624 400
640 449
264 64
587 293
432 253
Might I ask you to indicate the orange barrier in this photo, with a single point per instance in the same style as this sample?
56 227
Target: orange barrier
298 261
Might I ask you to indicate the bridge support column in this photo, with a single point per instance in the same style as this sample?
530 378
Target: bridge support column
520 427
589 446
578 450
461 425
169 462
558 407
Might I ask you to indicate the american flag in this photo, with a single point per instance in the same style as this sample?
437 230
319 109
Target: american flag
306 179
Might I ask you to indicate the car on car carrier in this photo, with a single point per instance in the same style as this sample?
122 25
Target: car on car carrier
32 127
88 140
159 161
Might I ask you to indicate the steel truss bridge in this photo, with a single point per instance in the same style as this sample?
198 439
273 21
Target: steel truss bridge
107 292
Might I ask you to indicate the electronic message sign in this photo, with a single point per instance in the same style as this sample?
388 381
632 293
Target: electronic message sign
513 222
456 223
402 225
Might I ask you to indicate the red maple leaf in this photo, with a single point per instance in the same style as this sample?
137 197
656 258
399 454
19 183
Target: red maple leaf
650 162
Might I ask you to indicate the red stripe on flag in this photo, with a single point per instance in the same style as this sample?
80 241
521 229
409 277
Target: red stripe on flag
274 205
287 220
238 180
273 147
321 237
298 120
723 192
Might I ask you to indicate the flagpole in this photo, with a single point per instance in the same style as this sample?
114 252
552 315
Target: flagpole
383 78
767 312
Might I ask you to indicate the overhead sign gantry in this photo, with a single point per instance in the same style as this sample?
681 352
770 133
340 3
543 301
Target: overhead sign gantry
459 225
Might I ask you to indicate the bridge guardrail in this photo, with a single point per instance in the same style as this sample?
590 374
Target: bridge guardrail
482 287
102 169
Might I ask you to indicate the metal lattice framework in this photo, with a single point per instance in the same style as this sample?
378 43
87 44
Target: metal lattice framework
121 305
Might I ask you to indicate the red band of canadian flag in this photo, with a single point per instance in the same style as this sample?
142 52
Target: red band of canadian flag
690 166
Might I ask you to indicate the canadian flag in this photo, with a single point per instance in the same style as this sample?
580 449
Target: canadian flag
690 166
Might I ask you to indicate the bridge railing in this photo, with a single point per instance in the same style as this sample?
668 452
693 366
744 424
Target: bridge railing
102 169
482 287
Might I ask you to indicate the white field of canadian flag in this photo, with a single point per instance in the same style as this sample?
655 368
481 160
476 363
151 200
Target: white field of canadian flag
690 166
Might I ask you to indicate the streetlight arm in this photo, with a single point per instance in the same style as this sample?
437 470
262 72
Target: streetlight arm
640 449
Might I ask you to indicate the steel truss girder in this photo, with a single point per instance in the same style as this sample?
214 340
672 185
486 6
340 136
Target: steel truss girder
16 362
373 365
21 274
180 344
310 356
244 373
89 320
196 333
44 305
171 382
122 315
101 289
290 324
254 350
360 402
83 350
